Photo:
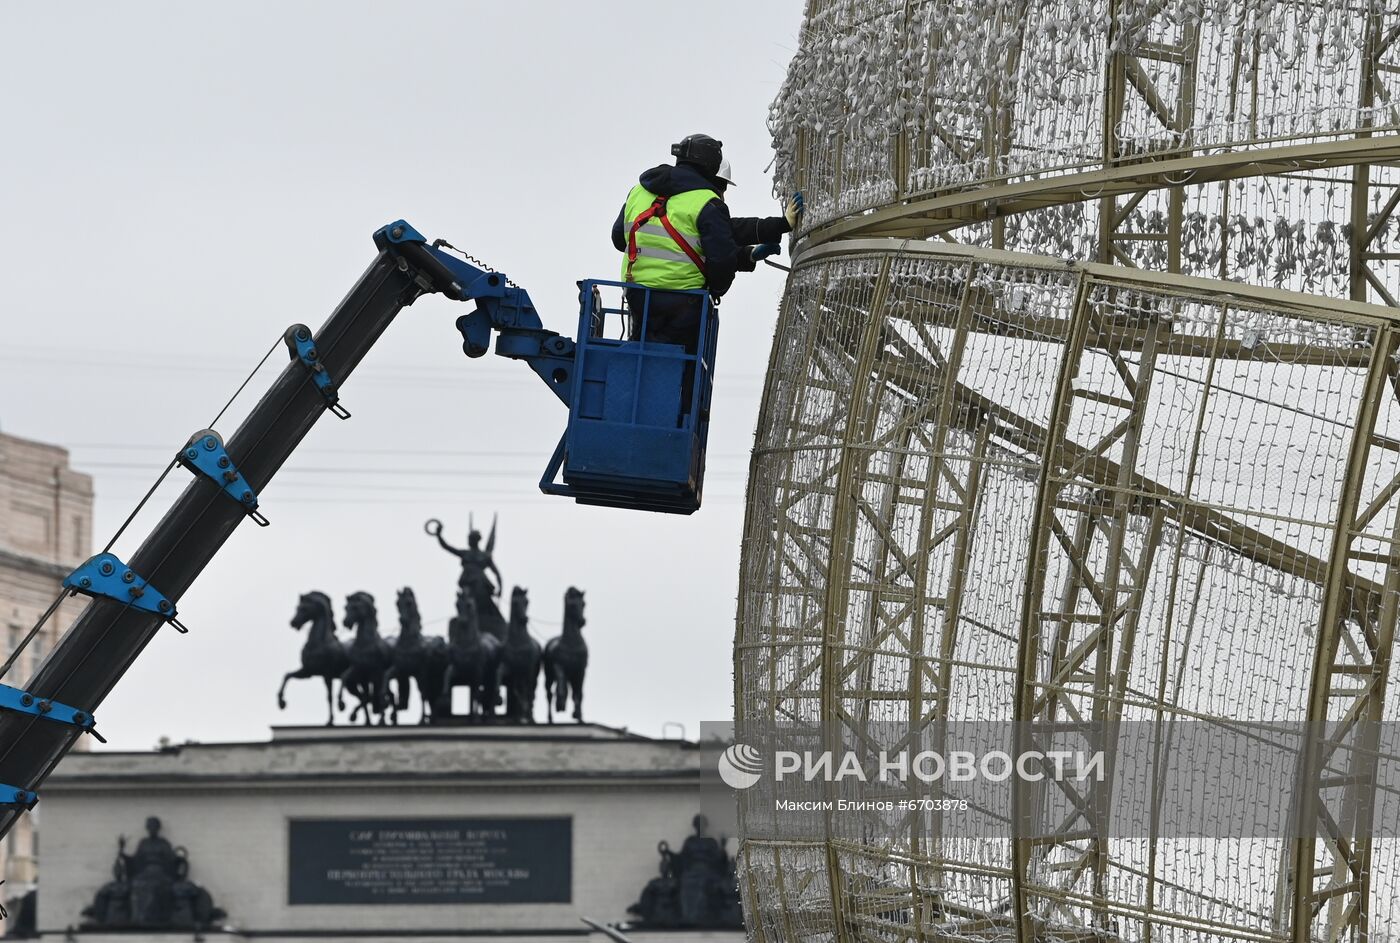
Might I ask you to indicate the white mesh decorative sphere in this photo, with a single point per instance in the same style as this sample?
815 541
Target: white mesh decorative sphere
1083 415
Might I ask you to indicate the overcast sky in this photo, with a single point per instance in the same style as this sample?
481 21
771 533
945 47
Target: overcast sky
182 181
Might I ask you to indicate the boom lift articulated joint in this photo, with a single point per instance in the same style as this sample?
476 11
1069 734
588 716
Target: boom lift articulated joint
502 308
637 428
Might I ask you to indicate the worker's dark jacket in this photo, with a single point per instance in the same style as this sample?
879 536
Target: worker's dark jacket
723 239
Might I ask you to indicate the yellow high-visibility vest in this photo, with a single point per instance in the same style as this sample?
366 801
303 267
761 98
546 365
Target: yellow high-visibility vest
660 262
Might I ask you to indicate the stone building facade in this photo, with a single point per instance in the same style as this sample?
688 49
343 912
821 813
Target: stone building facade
45 531
383 834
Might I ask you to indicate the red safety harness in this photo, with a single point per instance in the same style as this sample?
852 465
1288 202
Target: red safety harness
657 210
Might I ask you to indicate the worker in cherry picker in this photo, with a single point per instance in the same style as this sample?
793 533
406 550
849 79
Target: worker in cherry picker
676 234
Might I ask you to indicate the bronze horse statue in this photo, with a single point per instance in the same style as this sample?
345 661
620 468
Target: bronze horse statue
473 659
323 656
566 660
370 657
416 658
520 661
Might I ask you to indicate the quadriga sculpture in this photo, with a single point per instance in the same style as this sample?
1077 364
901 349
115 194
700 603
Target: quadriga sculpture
323 656
566 660
370 657
473 660
520 661
416 658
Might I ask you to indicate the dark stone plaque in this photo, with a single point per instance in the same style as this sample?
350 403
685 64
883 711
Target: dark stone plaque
430 861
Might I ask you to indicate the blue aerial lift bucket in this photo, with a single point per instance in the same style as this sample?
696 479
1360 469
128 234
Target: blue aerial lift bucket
637 429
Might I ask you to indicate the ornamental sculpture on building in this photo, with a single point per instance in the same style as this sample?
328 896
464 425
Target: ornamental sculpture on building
476 564
151 890
697 886
498 661
566 660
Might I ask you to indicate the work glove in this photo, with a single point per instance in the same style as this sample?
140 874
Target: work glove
793 211
759 253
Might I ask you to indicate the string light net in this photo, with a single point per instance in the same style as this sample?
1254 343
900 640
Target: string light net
1083 411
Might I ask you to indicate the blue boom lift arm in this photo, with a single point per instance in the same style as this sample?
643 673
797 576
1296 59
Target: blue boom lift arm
623 396
501 308
638 410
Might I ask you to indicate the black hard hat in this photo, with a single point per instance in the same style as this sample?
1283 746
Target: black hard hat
701 150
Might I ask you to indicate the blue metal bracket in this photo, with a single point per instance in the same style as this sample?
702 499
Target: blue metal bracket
12 797
303 348
548 485
107 577
205 455
13 699
398 232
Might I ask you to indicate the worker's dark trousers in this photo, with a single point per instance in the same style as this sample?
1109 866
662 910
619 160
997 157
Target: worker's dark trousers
671 319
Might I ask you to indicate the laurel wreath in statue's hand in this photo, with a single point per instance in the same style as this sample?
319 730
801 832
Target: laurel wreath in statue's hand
433 527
